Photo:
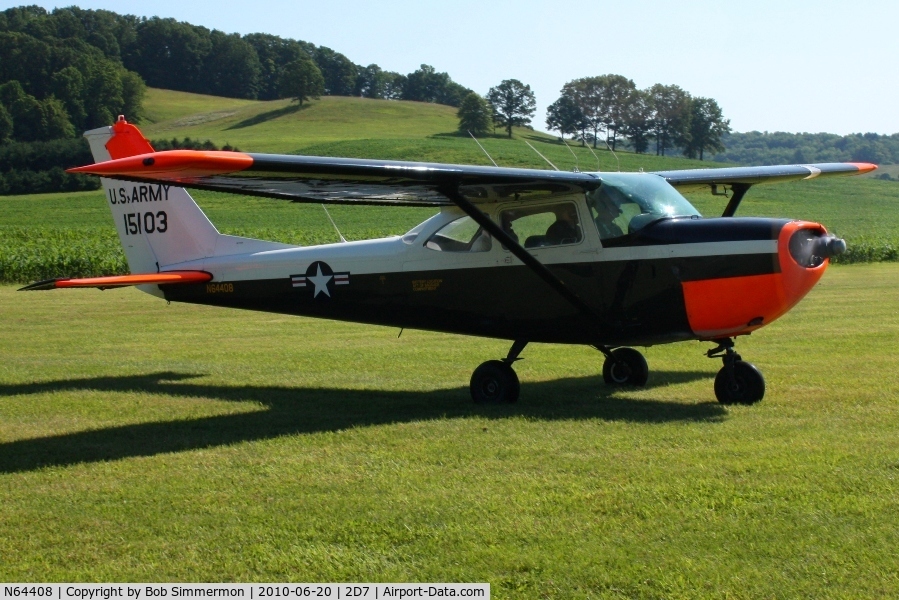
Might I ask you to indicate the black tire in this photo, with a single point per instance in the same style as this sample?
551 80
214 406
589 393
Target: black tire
494 382
746 387
626 366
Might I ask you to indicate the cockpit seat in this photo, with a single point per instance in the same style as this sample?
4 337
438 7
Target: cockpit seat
535 241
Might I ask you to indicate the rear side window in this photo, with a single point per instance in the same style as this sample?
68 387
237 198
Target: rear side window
539 226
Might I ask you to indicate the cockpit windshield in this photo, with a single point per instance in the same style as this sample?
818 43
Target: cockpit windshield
628 202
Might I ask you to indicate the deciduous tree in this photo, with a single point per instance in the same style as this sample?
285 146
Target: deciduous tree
671 115
231 68
638 121
616 95
301 80
6 125
565 116
707 125
513 103
586 92
474 115
338 72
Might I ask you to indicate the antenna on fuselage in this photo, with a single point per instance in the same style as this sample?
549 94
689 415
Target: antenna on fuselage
340 235
540 155
576 162
482 148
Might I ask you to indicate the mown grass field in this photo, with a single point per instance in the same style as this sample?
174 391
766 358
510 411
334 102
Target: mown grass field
140 441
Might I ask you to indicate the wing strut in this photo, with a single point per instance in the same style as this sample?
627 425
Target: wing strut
515 248
739 190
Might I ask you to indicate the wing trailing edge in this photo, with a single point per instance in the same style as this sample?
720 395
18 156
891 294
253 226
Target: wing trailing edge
113 281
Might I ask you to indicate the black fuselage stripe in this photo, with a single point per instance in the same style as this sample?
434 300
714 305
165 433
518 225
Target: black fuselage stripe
638 302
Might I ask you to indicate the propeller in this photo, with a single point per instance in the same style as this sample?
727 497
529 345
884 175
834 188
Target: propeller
811 247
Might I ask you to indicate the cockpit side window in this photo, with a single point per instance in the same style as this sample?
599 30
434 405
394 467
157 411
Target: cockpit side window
626 203
547 225
461 235
611 211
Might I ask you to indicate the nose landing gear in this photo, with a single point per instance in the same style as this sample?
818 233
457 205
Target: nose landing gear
737 382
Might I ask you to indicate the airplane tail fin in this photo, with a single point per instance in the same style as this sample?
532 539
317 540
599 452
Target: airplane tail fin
159 225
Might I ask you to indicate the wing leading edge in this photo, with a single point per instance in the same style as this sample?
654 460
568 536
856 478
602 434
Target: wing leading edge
363 181
339 180
692 179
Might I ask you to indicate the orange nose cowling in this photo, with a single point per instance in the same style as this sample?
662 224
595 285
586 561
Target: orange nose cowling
731 306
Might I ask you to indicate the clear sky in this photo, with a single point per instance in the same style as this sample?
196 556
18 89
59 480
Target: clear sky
772 65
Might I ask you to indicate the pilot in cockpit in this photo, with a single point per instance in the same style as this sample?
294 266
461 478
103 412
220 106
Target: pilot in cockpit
606 210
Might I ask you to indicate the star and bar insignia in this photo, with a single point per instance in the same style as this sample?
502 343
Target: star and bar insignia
321 277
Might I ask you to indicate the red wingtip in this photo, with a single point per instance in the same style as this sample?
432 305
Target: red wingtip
171 165
865 167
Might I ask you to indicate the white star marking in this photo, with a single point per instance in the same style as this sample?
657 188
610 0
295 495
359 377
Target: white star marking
320 282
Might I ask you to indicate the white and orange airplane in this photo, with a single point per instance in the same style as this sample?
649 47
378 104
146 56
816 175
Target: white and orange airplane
608 260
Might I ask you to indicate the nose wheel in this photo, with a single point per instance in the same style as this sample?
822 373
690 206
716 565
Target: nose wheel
738 382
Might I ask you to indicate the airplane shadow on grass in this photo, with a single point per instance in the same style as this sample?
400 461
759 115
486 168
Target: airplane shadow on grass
298 410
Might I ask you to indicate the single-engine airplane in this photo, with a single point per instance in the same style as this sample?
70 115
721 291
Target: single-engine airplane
608 260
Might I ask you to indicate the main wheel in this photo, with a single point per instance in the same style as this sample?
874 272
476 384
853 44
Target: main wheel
626 366
494 382
746 387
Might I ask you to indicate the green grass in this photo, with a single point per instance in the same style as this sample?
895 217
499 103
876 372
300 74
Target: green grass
140 441
173 108
144 441
282 126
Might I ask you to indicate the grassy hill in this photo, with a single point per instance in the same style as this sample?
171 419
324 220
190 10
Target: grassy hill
365 128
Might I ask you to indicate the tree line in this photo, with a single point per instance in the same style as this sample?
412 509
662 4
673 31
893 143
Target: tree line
665 116
181 56
39 167
757 148
70 70
610 107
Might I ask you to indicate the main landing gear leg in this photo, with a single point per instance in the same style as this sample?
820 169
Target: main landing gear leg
623 366
495 381
737 382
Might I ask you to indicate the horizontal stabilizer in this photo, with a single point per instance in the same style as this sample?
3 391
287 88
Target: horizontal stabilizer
167 278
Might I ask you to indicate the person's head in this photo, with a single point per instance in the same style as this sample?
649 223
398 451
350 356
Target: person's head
567 212
604 205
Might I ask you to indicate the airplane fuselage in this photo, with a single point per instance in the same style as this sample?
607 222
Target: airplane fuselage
676 279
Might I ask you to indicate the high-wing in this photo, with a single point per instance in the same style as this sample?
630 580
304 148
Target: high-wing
363 181
340 180
691 179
